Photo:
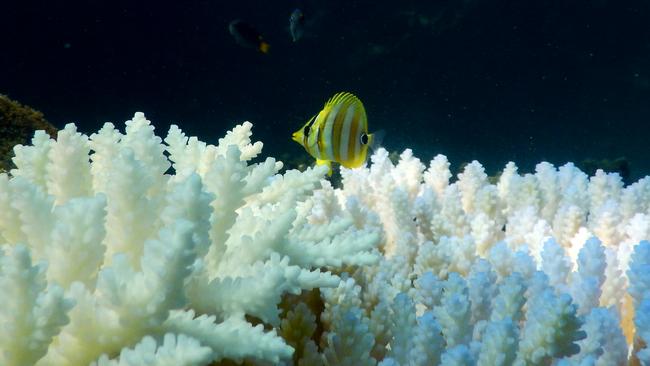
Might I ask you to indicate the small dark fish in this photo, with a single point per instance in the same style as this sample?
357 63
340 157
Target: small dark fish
247 36
297 24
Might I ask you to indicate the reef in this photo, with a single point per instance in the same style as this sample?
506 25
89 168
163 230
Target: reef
109 259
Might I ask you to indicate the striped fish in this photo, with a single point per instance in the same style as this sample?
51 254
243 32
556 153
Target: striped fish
338 133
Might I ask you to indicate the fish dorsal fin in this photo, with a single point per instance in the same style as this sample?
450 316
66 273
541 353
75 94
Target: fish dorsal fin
344 98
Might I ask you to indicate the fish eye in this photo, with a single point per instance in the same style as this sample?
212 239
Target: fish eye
364 139
306 131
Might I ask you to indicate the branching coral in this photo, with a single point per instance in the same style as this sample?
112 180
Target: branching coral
137 265
531 270
412 267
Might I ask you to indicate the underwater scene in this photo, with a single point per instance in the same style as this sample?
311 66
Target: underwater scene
449 182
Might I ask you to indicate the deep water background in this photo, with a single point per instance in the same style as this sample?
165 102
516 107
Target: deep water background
492 80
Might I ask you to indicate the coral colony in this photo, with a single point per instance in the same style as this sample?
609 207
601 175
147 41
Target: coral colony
107 260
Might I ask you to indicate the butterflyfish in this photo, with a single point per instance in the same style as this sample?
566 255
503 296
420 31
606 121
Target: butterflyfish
338 133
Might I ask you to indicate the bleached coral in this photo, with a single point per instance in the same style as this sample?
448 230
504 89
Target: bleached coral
32 312
520 272
137 265
351 343
175 350
427 341
549 267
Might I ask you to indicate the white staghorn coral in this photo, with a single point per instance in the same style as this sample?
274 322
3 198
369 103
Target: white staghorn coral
454 311
175 350
551 329
520 272
551 267
31 314
605 342
352 342
499 343
144 266
427 341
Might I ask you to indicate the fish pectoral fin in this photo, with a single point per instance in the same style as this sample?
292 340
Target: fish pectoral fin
376 139
325 162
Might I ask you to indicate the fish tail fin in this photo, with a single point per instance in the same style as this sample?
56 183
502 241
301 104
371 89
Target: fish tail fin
264 47
325 162
376 139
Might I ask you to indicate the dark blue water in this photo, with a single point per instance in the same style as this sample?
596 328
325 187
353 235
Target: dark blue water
489 80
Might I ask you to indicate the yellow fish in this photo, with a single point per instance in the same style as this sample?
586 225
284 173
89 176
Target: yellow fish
339 133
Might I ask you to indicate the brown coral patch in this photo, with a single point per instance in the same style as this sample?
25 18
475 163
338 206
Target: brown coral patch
17 126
